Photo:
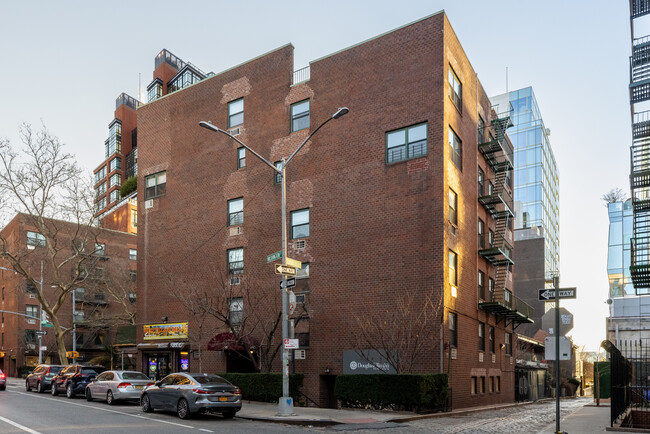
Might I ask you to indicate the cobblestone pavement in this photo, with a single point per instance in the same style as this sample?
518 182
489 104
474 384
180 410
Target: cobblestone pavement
531 418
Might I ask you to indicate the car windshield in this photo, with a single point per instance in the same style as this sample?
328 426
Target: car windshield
55 369
134 376
210 379
88 371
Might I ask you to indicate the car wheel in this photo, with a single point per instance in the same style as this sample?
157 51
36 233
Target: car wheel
54 389
89 395
109 398
183 409
40 388
146 404
27 388
229 414
68 391
3 388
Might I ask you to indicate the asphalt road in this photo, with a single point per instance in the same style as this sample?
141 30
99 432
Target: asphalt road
30 412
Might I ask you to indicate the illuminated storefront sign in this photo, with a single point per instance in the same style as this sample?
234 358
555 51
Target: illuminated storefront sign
165 331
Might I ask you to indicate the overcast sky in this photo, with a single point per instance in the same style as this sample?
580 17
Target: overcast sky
65 62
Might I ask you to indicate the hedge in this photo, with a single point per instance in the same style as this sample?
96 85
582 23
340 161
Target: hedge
265 387
129 186
419 392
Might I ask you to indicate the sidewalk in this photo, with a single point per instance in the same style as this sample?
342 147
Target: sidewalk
589 419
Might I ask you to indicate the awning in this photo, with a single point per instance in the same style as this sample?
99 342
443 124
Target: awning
228 341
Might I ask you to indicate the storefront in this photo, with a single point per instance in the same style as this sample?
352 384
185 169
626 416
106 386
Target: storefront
160 359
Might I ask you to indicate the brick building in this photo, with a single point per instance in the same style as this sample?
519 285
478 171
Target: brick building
409 195
104 299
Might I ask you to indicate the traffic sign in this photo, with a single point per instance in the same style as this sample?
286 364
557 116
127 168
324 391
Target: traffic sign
291 282
47 324
292 302
565 325
549 294
72 354
285 269
293 263
291 344
41 332
274 256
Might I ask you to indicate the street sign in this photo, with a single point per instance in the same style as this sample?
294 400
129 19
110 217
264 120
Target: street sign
43 348
47 324
549 348
41 332
291 344
291 282
294 263
566 321
72 354
285 269
274 256
292 303
549 294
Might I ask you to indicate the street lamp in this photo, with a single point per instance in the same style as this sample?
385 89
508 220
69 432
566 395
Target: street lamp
285 405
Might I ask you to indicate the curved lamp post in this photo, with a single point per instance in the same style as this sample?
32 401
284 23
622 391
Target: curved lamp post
285 406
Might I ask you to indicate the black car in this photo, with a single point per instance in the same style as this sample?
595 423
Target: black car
41 378
73 379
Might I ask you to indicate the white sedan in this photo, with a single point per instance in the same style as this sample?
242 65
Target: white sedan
115 386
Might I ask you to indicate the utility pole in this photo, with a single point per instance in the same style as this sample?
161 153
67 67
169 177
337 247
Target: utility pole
556 286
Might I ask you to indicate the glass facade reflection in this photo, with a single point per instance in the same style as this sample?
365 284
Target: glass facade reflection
536 182
618 250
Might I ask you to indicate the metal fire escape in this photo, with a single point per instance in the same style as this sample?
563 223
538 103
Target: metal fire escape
495 247
640 152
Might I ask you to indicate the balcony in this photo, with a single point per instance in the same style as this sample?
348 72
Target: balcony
495 145
505 305
301 75
495 249
498 200
640 8
640 263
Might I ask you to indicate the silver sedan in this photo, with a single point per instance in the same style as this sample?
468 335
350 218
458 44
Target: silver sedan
187 394
115 386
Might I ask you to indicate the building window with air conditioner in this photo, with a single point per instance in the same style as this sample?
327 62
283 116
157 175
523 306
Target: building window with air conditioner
236 112
236 211
300 223
155 185
236 261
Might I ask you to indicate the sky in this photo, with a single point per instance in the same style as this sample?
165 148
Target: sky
65 63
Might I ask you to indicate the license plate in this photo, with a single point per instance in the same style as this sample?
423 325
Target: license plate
139 387
223 398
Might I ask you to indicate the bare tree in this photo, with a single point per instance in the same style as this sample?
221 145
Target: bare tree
245 310
403 333
43 183
614 195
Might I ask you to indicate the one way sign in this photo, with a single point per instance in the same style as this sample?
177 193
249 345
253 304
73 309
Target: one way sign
549 294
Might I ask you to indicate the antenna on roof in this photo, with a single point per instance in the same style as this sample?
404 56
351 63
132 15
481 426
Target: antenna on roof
140 86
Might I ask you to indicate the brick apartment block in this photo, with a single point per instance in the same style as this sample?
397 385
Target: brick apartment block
96 306
380 224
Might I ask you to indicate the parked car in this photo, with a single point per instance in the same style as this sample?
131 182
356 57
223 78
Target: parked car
187 394
117 385
73 379
41 377
3 380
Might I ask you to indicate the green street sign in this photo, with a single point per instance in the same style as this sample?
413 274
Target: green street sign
47 324
274 256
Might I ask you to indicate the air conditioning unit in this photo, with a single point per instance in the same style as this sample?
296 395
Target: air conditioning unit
494 358
454 353
31 321
300 244
236 231
32 295
480 357
148 204
300 354
234 281
234 132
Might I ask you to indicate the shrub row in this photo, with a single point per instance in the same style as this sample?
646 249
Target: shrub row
265 387
419 392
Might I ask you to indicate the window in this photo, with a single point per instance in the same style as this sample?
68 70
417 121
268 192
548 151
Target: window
235 310
508 344
31 310
236 260
115 164
132 297
133 254
115 180
300 223
491 385
155 185
101 174
35 239
236 112
133 275
235 212
453 330
100 249
481 234
114 196
300 115
456 149
490 238
101 204
101 189
481 385
481 336
30 288
481 180
241 157
491 338
79 316
490 289
154 91
114 142
508 297
30 337
453 268
303 339
406 143
278 176
303 272
480 130
481 285
453 207
497 384
134 218
474 385
455 89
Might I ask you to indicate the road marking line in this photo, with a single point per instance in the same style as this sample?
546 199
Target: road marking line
205 430
19 426
106 410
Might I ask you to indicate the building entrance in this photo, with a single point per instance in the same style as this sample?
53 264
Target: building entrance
158 366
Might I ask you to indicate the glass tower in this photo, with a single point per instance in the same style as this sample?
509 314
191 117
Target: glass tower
618 252
536 183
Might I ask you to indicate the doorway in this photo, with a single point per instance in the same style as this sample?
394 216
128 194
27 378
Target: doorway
158 366
327 387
